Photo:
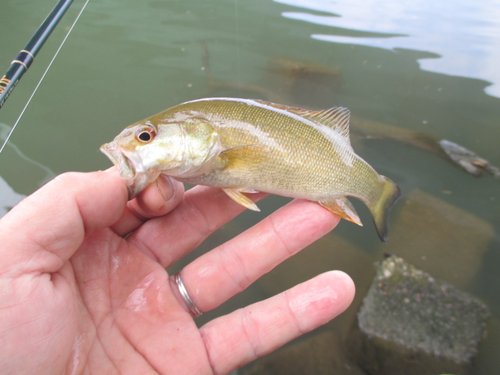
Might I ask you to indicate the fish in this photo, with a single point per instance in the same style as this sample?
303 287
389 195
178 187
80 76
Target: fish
247 146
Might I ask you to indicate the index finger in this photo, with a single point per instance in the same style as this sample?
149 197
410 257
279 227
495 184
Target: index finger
201 212
158 199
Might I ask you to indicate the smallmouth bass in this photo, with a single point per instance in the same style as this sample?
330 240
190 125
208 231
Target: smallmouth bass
246 146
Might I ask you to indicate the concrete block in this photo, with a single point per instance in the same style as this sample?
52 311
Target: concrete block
331 252
319 355
486 361
440 238
411 323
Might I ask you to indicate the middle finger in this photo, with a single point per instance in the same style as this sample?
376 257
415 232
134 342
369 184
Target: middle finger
202 211
233 266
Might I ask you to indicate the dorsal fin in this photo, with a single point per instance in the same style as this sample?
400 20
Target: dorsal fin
336 117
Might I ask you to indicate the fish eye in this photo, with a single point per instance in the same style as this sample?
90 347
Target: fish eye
145 134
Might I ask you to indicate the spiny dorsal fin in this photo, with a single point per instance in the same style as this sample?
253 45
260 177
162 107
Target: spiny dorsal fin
336 117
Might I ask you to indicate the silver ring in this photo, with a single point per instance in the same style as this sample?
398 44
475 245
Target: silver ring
193 309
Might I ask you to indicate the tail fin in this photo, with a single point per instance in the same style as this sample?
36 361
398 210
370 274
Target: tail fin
380 209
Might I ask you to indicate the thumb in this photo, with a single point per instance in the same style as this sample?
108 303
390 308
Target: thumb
46 228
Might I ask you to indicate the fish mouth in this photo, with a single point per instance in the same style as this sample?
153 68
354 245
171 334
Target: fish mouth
136 180
124 165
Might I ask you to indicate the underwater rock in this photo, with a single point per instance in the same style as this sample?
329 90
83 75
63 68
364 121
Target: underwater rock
319 355
410 323
439 238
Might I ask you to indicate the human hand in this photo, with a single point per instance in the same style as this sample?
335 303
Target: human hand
76 297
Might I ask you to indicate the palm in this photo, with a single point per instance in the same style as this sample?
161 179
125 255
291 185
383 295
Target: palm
83 299
138 319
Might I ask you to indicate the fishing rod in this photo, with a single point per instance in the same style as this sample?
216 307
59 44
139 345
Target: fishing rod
50 23
23 61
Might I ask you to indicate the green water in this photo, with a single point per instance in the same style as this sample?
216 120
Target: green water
127 60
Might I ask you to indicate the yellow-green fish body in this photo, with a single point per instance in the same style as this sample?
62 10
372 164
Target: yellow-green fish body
245 145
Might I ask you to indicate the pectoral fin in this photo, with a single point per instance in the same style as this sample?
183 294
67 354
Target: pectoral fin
241 157
238 197
343 208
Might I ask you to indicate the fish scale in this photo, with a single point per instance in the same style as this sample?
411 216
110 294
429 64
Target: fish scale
314 157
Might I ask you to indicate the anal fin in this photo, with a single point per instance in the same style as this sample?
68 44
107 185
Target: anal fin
237 196
343 208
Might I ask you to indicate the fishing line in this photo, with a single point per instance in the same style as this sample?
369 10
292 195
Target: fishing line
43 76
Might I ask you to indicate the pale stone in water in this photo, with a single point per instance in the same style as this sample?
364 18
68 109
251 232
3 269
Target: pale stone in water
439 238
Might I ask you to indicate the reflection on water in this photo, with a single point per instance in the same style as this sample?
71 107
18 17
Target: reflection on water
462 35
418 67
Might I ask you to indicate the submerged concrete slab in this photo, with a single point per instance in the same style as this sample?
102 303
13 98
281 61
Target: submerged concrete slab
411 323
440 238
321 354
487 359
331 252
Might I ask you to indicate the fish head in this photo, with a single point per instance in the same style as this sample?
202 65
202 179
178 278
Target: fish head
144 150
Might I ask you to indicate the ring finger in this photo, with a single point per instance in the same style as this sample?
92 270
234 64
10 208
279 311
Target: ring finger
233 266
